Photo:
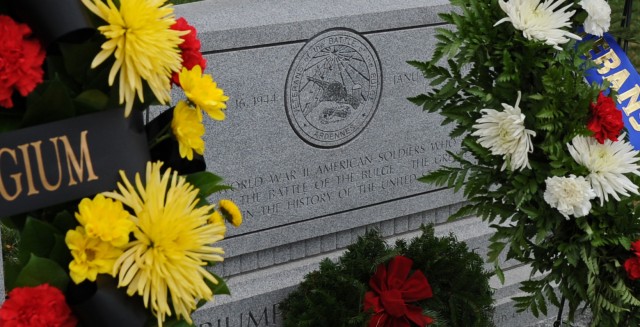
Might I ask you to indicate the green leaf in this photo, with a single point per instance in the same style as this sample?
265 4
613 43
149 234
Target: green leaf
91 101
50 101
8 123
37 238
65 221
60 253
207 182
495 248
419 100
42 270
78 58
218 289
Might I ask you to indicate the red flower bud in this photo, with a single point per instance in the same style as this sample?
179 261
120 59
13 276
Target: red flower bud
43 305
190 47
21 60
606 120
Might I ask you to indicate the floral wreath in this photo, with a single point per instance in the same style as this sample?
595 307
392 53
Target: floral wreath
155 233
428 280
544 156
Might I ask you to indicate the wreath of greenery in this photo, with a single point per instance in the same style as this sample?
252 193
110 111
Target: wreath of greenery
582 256
333 295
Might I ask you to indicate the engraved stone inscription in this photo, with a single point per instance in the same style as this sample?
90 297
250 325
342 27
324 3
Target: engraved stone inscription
264 316
333 88
284 192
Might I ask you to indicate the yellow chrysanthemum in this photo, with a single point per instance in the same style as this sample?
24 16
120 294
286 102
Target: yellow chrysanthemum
145 47
230 212
203 92
105 219
216 218
172 246
90 256
188 130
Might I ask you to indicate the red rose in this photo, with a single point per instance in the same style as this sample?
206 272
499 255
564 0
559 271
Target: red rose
606 120
632 266
392 289
42 306
190 48
20 60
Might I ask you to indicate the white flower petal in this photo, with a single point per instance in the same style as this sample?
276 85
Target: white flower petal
539 21
607 163
599 16
504 134
570 195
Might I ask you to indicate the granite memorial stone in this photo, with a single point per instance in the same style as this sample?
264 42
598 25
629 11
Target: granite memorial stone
320 142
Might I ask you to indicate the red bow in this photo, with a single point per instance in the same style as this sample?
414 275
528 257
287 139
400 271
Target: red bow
391 292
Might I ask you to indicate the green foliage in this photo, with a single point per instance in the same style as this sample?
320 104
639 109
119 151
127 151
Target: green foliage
334 295
35 248
632 33
484 66
207 182
39 270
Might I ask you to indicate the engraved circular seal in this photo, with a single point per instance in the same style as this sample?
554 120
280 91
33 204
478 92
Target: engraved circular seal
333 88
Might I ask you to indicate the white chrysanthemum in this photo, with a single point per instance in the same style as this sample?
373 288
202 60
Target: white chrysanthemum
504 134
607 164
599 16
570 195
538 21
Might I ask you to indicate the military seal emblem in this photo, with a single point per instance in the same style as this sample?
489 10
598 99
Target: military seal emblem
333 88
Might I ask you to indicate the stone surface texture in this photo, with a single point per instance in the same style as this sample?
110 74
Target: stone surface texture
303 202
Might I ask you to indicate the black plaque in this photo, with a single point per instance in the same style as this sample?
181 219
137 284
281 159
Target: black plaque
70 159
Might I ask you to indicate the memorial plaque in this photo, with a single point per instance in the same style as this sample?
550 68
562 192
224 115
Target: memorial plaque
320 142
319 135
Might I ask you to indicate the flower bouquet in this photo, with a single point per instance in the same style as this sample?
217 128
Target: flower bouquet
428 281
105 224
545 157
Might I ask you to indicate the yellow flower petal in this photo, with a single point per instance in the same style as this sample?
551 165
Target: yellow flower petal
188 130
173 243
203 92
105 219
140 37
231 212
90 255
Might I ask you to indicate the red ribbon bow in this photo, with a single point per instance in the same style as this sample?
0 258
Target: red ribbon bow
392 290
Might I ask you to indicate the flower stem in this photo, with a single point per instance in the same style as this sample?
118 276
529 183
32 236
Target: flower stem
162 135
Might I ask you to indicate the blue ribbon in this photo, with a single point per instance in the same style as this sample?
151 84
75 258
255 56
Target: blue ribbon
613 65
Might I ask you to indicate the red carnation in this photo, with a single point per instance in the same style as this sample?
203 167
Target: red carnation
42 306
190 48
20 60
635 247
632 266
392 289
606 120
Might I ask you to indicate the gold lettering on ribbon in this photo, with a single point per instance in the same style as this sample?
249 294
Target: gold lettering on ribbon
618 79
634 124
27 167
632 94
598 45
608 61
72 160
43 176
16 178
